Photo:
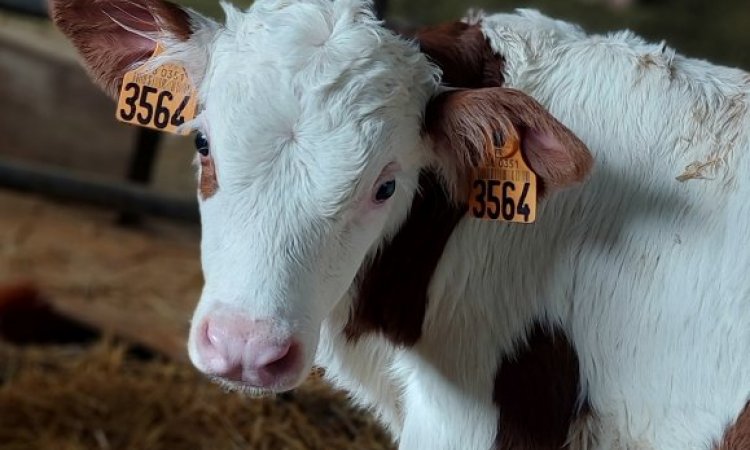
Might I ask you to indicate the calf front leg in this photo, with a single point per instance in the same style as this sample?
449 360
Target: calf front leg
448 401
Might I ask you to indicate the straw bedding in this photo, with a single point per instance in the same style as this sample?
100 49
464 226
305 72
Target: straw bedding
101 397
63 261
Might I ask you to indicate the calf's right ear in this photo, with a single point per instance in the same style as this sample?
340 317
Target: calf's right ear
459 123
114 36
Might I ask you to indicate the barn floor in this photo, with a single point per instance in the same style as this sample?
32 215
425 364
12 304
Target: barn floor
100 398
126 384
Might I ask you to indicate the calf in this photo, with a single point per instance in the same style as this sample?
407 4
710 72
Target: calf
335 164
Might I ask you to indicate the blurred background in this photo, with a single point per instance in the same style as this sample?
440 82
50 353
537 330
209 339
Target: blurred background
99 263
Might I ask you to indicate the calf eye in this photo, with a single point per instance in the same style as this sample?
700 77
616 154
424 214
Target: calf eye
201 144
385 191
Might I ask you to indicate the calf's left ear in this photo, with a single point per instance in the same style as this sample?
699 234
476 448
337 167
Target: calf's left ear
460 122
113 36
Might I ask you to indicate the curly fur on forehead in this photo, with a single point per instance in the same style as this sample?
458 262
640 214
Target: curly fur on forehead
314 88
324 45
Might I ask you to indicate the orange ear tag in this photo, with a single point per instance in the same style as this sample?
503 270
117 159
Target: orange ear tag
161 99
504 188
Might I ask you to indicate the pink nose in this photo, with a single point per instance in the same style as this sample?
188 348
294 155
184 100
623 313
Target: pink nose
248 351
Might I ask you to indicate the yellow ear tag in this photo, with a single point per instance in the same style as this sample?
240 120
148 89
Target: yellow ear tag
162 98
505 187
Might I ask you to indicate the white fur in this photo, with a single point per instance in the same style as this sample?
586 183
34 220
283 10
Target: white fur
305 105
650 281
306 102
647 274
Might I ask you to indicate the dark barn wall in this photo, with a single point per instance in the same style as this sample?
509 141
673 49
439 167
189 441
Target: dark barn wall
50 107
715 30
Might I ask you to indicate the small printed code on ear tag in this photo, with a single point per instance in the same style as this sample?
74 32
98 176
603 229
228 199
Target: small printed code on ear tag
162 99
504 189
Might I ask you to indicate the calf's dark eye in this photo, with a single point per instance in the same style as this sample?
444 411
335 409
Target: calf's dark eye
385 191
201 144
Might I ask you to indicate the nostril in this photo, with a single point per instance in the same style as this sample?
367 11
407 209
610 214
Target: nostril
212 347
214 336
286 363
271 355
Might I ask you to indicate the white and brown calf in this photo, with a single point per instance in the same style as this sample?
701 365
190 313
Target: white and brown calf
334 164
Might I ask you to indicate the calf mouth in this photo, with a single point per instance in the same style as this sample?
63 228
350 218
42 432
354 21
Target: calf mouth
243 388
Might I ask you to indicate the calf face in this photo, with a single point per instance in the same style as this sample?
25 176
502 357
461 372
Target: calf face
311 139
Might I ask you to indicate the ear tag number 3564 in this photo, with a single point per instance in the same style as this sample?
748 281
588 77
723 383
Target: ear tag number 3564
504 189
162 98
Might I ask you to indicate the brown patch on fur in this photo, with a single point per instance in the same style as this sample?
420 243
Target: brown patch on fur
209 183
108 49
392 296
737 437
463 53
536 392
459 122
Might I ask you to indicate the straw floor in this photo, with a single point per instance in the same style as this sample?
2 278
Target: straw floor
101 397
67 272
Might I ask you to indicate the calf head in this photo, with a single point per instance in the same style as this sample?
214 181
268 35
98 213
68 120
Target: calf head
315 125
